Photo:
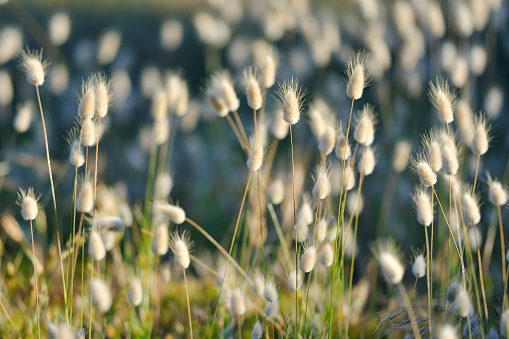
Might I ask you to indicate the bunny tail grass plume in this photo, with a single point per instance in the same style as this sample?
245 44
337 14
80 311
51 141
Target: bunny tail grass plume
23 118
28 200
292 281
322 184
52 330
221 85
343 151
76 154
103 95
447 332
12 228
270 293
34 65
470 208
389 258
497 193
237 303
251 84
357 76
182 105
176 214
218 104
482 137
349 178
159 105
162 131
165 273
368 162
423 206
327 140
272 309
96 248
306 211
308 259
365 126
114 224
109 239
302 231
452 291
255 160
279 128
163 186
65 331
101 295
422 168
290 97
136 292
173 88
419 266
88 136
87 99
85 198
258 284
443 99
450 161
402 152
266 59
321 230
465 121
431 146
160 241
462 306
504 323
181 247
326 255
276 192
257 331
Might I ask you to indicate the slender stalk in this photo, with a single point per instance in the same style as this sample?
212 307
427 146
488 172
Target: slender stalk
428 280
54 199
242 142
241 127
502 248
295 227
188 305
35 279
410 311
476 170
261 225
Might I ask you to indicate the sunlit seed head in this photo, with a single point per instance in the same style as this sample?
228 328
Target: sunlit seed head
217 103
302 231
181 249
270 293
443 99
65 331
12 228
28 200
182 104
419 266
447 332
23 118
423 206
159 105
308 259
470 207
88 134
76 156
367 163
326 255
160 242
135 292
305 212
85 198
222 85
272 309
462 306
255 160
497 193
450 162
322 185
103 93
343 151
96 248
163 186
173 88
34 65
465 122
348 178
279 127
390 261
257 331
422 168
87 99
175 213
327 140
251 83
402 152
321 230
481 140
433 150
290 97
276 192
354 203
101 295
237 303
109 240
108 223
161 131
357 77
258 284
294 279
365 123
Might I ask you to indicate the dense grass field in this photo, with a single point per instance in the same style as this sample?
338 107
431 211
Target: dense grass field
254 169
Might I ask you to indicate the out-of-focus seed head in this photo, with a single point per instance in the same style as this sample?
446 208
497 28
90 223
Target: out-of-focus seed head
258 284
302 231
308 259
343 151
419 266
293 280
251 84
52 330
65 331
365 123
76 156
222 85
422 168
390 261
182 104
173 88
327 140
34 65
103 93
423 206
255 160
443 99
354 203
175 213
87 99
290 96
348 178
452 291
161 131
163 186
165 273
447 331
279 128
28 200
160 242
481 140
136 292
368 162
497 193
465 121
88 134
23 118
96 248
266 59
270 292
109 239
159 105
357 76
276 192
321 230
108 223
322 185
431 145
402 152
320 117
237 303
272 309
181 249
257 331
462 306
12 228
218 104
101 295
306 212
326 255
85 198
470 207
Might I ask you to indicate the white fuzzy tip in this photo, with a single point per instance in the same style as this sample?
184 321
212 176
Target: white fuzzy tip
327 141
447 332
272 309
101 295
252 87
222 86
481 140
85 198
160 242
419 266
343 151
180 248
348 178
423 206
176 214
470 208
290 99
102 95
76 156
255 160
327 255
497 193
29 202
33 64
136 292
88 135
368 162
402 152
442 99
237 303
163 186
257 331
293 280
270 292
96 248
427 176
390 262
87 100
322 186
276 192
258 285
462 306
308 259
364 132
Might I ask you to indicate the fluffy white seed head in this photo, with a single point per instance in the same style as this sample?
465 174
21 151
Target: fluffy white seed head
452 291
160 242
419 266
423 206
28 200
343 151
109 223
357 77
87 99
433 150
258 284
481 140
474 237
279 128
306 212
102 95
237 303
327 255
252 87
272 309
270 292
348 178
290 99
460 72
368 162
159 105
182 104
390 261
173 88
161 131
321 230
365 122
462 306
266 59
318 113
276 192
322 185
165 273
293 280
34 65
422 168
327 140
222 85
96 248
65 331
12 228
76 156
175 213
497 193
136 292
257 331
181 247
23 118
302 231
255 160
101 295
478 59
354 203
470 208
465 121
109 239
88 134
308 259
218 104
436 22
85 198
163 186
443 99
504 323
450 161
447 332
